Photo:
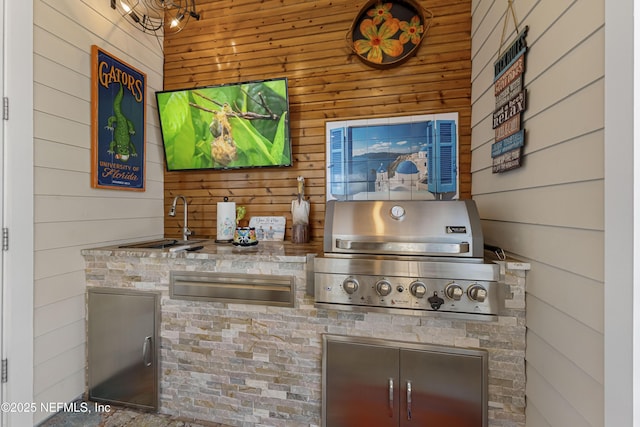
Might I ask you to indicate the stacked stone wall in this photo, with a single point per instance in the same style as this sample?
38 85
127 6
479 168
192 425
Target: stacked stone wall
256 365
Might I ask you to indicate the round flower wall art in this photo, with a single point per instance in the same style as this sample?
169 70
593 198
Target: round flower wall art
385 34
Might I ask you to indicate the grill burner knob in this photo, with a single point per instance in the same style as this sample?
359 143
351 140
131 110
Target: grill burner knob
350 285
418 289
383 288
453 291
477 292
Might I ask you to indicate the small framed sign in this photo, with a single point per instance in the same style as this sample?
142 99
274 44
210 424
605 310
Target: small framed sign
118 118
269 228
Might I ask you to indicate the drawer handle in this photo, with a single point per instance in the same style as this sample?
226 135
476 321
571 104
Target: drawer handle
409 400
146 354
391 397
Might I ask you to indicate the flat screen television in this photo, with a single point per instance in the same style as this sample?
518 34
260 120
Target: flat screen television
229 126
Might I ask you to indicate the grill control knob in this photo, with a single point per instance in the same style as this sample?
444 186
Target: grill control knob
383 288
454 291
350 285
477 292
418 289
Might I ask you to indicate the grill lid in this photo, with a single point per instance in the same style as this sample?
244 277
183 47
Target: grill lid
418 227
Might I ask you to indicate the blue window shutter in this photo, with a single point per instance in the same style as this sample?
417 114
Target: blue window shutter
337 162
431 158
446 156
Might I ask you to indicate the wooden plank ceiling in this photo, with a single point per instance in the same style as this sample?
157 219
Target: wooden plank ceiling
306 41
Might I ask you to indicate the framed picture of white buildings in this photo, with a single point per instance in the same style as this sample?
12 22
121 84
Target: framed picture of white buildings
395 158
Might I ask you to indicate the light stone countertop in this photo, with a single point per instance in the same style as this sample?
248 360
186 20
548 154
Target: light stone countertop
263 251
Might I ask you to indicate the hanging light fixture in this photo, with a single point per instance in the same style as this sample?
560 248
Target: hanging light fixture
151 16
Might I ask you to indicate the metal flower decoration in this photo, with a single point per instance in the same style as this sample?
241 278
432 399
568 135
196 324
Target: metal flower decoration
386 34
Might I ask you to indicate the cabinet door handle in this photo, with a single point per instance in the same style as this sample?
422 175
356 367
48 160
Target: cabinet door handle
409 400
146 356
390 397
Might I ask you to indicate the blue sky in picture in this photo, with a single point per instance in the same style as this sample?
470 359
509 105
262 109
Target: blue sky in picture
393 138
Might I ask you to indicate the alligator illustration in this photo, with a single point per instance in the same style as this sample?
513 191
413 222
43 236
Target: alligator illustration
122 129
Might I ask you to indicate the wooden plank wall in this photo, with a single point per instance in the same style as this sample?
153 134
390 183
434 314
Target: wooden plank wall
305 41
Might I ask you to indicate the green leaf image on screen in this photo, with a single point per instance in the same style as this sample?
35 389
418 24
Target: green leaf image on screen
241 125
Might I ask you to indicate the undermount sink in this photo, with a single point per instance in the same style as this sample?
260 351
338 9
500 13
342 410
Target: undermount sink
162 244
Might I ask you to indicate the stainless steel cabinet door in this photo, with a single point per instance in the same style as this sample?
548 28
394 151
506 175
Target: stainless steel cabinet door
441 389
122 347
383 383
361 386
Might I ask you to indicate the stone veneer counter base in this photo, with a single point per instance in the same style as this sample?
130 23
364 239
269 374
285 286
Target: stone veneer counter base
254 365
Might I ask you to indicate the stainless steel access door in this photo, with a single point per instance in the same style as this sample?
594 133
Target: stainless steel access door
382 383
122 347
361 385
439 388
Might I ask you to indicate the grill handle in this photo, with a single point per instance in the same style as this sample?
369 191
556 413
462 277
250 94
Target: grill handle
412 247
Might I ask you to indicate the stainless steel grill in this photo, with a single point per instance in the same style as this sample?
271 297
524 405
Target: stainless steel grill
416 256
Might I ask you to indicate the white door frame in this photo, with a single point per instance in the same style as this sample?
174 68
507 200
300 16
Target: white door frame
3 311
622 220
18 212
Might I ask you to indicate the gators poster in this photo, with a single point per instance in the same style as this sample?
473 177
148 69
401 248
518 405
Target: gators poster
118 118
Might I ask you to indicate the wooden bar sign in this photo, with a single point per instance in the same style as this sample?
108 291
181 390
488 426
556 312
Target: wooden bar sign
510 143
510 96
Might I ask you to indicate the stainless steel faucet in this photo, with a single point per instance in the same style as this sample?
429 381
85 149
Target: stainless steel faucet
172 212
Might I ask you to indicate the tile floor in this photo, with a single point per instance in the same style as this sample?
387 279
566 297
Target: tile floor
120 417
